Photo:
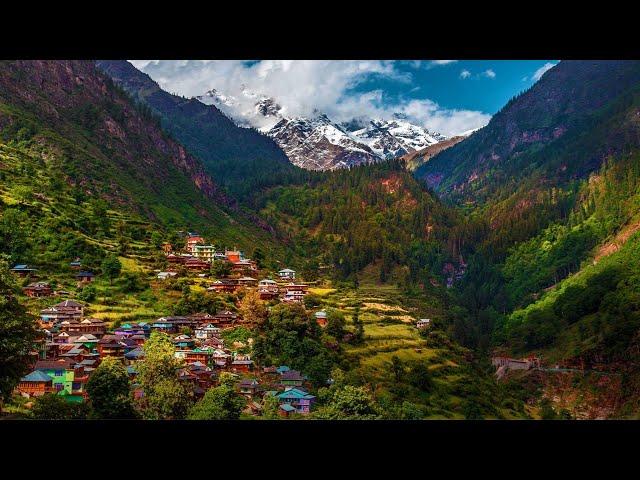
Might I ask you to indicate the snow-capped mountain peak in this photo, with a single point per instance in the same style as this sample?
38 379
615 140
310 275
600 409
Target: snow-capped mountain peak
317 142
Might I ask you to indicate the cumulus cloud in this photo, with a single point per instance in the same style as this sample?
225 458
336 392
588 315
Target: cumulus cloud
489 73
465 74
442 62
539 72
303 87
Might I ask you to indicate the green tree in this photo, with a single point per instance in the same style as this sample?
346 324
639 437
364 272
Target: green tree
335 324
220 268
270 407
219 403
397 368
18 334
88 293
110 391
55 407
349 403
252 308
111 267
165 396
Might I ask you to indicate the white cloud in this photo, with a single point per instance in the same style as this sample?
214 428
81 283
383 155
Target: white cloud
465 74
489 73
303 86
442 62
539 72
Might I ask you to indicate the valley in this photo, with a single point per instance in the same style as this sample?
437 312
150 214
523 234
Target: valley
311 269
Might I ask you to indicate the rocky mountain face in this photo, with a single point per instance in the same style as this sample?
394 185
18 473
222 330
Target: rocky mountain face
318 142
418 158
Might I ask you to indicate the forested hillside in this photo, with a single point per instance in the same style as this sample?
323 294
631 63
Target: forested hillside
375 214
75 151
241 159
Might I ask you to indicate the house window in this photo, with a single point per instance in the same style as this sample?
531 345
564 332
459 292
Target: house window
59 387
58 373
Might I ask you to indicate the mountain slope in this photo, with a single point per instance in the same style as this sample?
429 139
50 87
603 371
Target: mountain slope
88 135
241 159
524 139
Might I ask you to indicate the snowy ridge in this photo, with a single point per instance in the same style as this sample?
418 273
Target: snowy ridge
317 142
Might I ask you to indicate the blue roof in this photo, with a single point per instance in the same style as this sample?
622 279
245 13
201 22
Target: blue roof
282 369
21 266
287 408
36 376
131 369
135 353
295 393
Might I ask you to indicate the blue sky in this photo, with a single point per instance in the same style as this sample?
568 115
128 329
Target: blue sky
446 96
447 85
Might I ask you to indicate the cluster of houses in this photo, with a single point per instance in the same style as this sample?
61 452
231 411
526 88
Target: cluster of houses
39 289
197 256
75 345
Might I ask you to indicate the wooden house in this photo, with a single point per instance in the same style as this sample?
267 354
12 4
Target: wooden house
38 289
110 346
23 270
248 387
36 384
287 274
321 318
298 399
197 265
291 378
85 277
192 241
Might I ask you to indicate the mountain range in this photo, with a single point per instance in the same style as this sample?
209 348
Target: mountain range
527 230
319 143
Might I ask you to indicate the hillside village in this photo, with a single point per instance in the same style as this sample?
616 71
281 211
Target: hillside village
74 343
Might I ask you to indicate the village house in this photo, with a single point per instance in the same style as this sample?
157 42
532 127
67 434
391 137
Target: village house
225 285
206 331
197 265
297 398
220 358
110 346
192 241
204 252
233 256
60 371
134 355
287 274
243 266
35 384
423 323
293 296
247 281
38 289
291 378
166 275
248 387
92 326
242 363
268 289
225 318
23 270
321 318
285 410
76 264
85 277
178 259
